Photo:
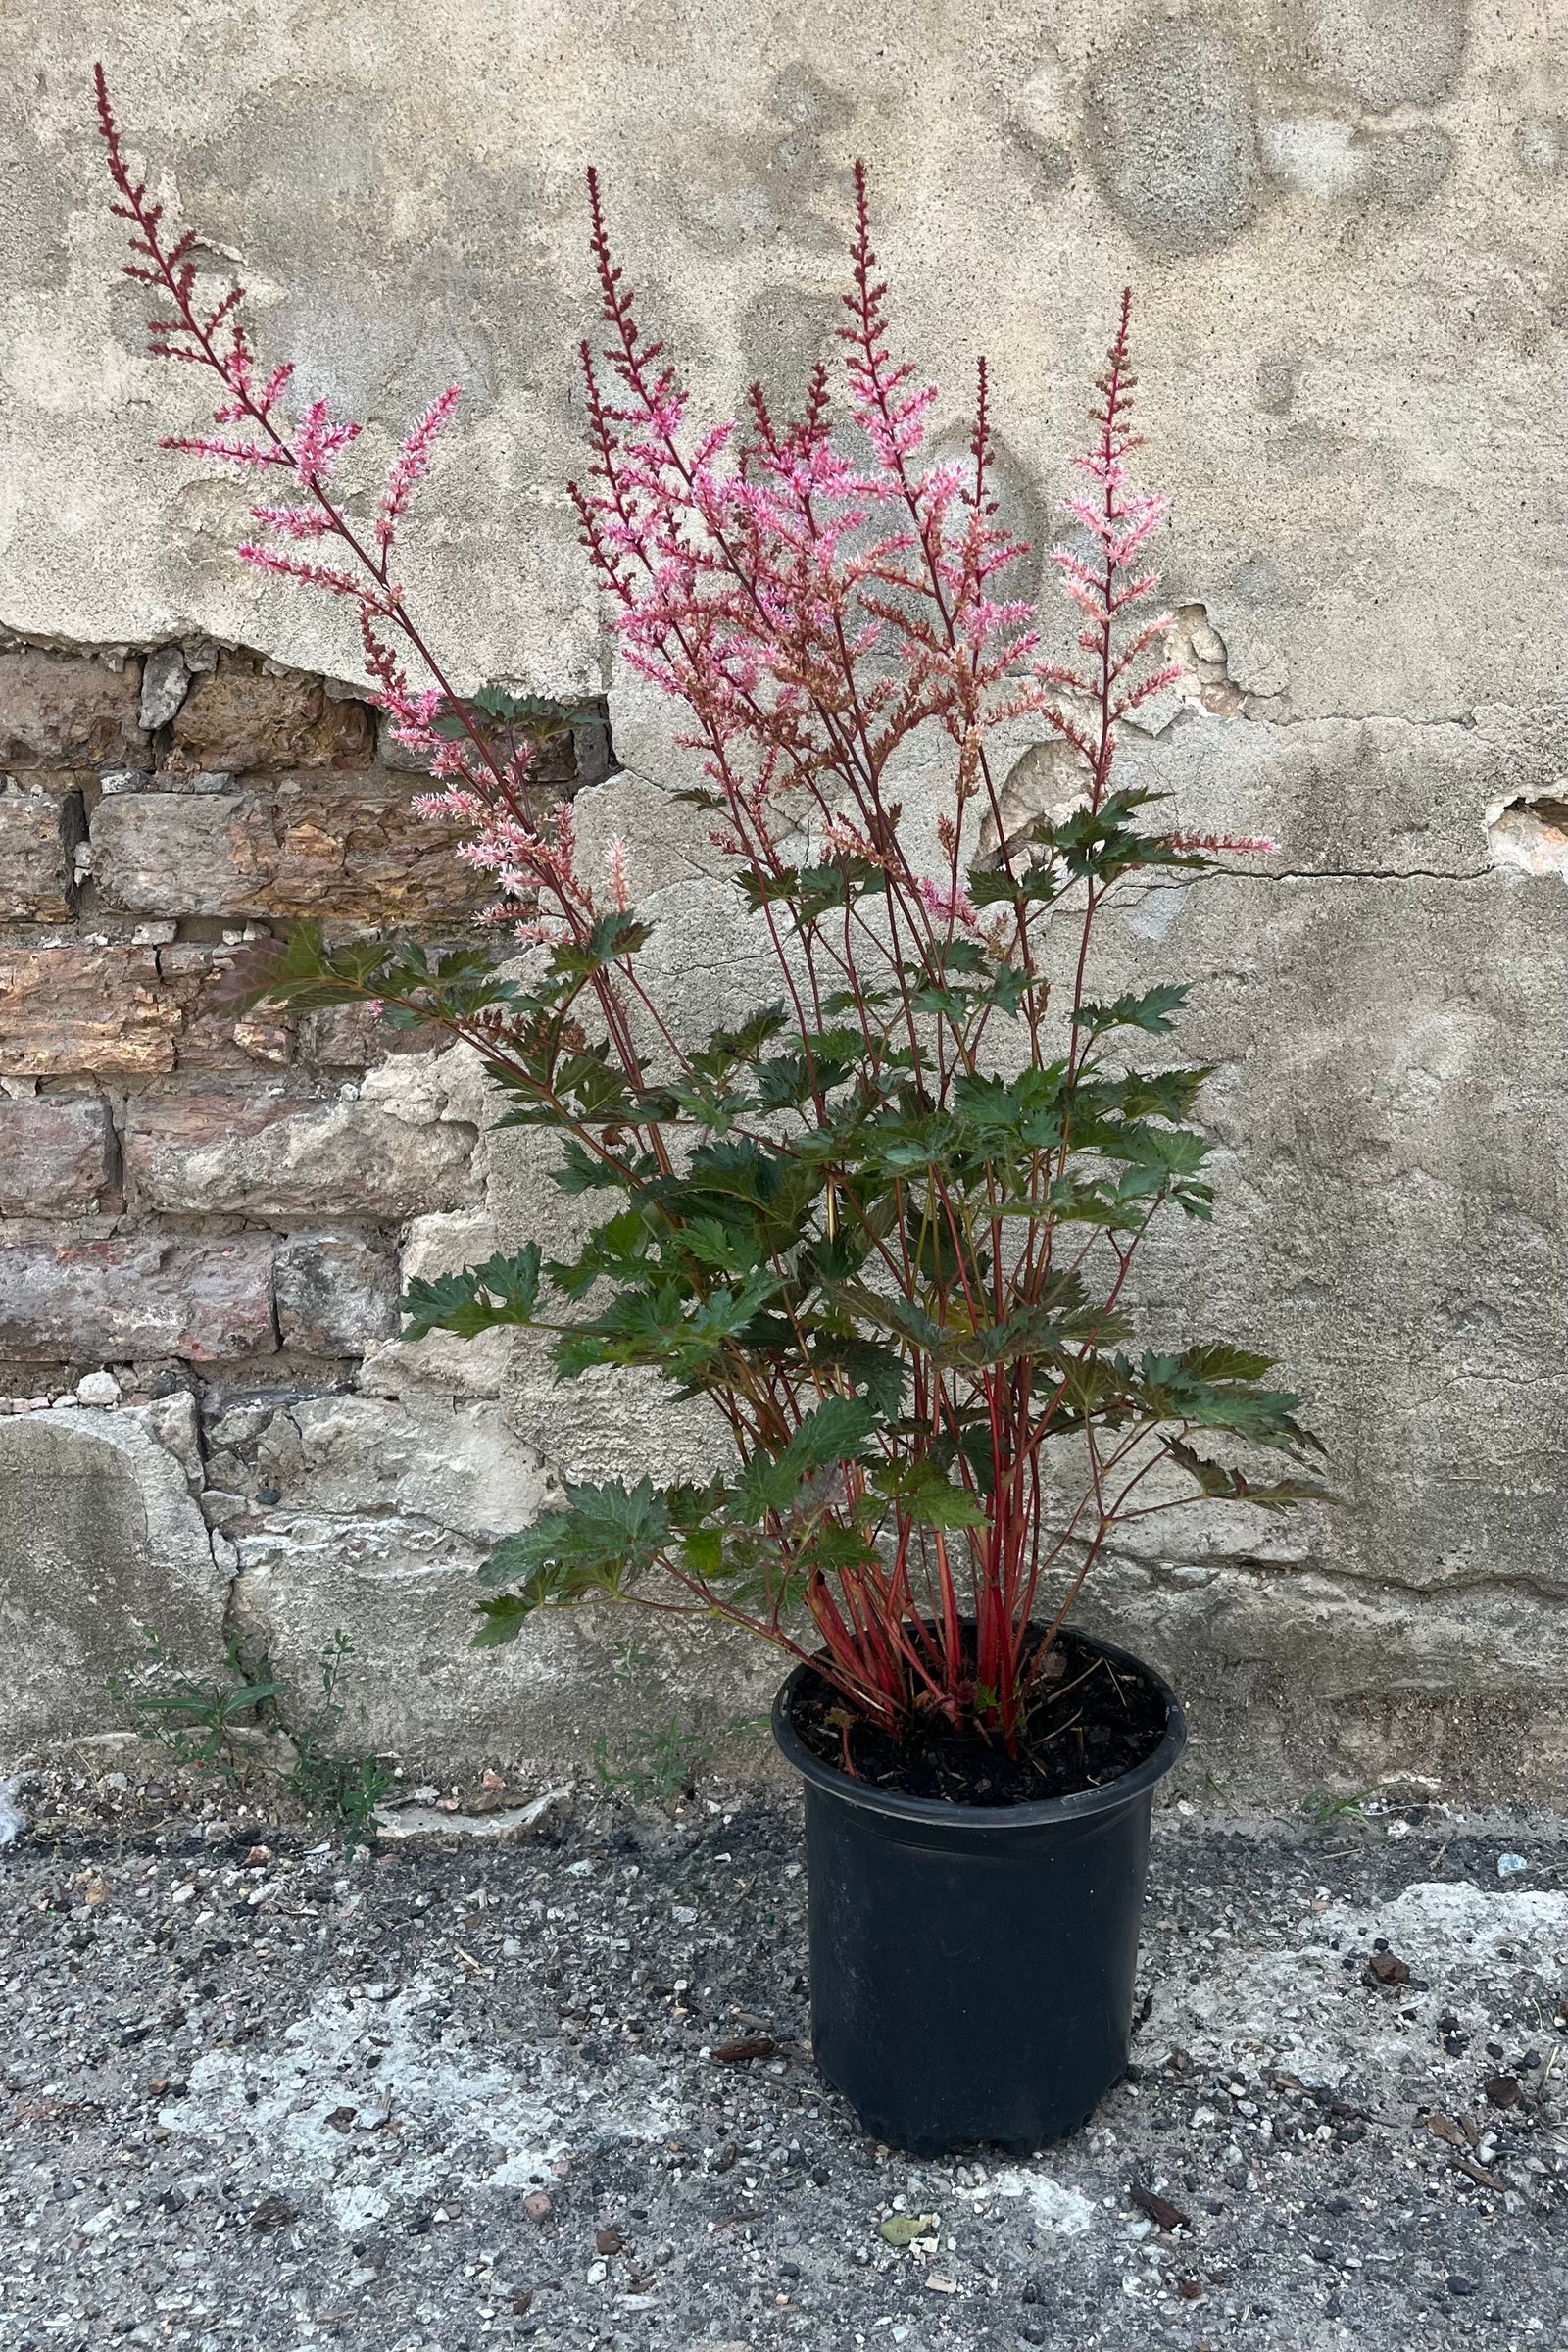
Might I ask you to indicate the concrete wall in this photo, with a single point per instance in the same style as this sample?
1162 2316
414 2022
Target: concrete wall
1342 219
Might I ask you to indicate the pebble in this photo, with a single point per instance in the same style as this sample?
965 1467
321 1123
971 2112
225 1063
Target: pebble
13 1823
1510 1866
98 1388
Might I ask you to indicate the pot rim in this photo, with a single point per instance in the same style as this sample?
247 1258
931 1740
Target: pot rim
1082 1805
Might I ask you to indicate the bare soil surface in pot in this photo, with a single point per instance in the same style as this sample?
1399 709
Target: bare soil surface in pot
1089 1721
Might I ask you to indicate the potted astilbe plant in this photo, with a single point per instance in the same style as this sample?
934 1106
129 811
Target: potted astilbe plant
885 1223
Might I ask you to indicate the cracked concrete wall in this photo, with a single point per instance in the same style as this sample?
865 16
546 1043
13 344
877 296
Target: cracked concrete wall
1342 220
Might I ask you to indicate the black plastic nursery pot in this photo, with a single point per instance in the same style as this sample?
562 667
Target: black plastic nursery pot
972 1966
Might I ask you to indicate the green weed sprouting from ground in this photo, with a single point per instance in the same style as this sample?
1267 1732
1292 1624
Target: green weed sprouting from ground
347 1786
664 1763
661 1764
632 1664
1324 1806
195 1720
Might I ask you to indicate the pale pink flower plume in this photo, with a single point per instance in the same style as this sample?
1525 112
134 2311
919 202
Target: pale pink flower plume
317 443
1236 845
813 603
412 464
948 905
619 878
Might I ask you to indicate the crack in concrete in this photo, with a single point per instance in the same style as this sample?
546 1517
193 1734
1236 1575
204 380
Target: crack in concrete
1466 720
1386 1589
1402 873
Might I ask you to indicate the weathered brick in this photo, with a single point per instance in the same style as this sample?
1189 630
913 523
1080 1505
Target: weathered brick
239 718
68 710
336 1293
165 682
215 1034
307 844
40 830
351 1037
116 780
125 1010
269 1157
55 1154
579 756
75 1008
146 1295
160 1132
452 1367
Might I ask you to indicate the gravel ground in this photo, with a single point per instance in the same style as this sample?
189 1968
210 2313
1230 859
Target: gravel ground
556 2091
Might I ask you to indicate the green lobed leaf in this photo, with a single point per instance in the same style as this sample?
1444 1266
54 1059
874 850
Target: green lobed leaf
605 1535
833 1432
922 1491
1187 1388
610 937
503 1290
1155 1010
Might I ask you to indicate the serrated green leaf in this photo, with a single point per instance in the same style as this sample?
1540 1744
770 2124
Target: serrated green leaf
1217 1359
833 1432
503 1291
609 938
703 1550
1155 1010
879 1371
580 1172
501 1621
605 1535
924 1493
1218 1481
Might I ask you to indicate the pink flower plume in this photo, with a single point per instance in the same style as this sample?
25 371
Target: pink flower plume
317 443
412 464
947 905
1236 845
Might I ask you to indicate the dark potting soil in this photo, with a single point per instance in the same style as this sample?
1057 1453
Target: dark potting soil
1087 1725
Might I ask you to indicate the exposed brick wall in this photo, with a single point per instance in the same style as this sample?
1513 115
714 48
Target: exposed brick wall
190 1196
207 1425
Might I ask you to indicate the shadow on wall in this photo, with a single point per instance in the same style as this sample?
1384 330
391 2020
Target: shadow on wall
1175 123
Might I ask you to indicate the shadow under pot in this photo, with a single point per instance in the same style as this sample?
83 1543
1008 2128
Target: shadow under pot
972 1964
